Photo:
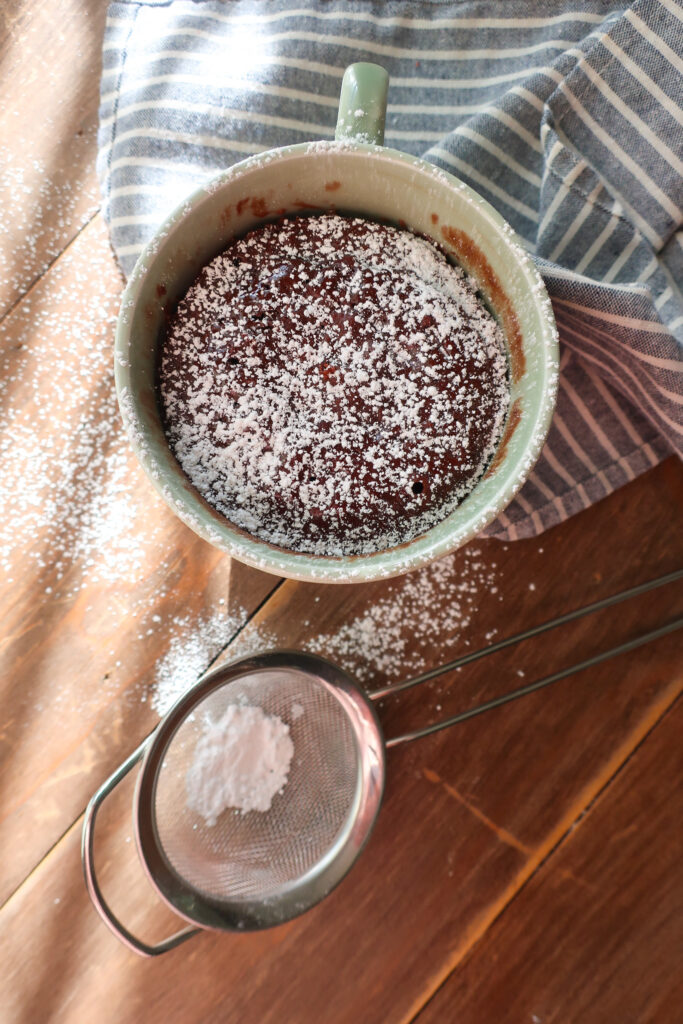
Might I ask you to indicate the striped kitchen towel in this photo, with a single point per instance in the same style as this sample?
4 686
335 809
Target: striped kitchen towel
565 114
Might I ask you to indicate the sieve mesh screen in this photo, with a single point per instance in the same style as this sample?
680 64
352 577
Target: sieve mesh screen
260 855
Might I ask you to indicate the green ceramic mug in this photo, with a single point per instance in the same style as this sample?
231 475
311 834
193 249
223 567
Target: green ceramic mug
354 174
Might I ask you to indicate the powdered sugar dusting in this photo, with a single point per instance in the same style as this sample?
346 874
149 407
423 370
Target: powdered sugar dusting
333 385
41 205
418 621
194 644
428 611
77 482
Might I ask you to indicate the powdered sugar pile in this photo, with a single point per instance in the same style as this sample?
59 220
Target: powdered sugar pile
333 385
240 761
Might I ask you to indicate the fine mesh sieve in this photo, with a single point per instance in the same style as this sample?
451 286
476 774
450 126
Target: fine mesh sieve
260 868
255 869
260 856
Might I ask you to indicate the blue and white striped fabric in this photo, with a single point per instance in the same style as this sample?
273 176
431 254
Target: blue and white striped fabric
566 115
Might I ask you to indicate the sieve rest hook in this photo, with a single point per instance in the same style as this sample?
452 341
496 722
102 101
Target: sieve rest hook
101 906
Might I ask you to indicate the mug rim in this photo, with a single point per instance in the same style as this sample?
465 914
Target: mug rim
304 566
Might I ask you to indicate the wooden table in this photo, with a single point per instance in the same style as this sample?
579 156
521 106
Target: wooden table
526 865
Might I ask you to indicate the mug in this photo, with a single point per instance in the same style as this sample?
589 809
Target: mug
354 174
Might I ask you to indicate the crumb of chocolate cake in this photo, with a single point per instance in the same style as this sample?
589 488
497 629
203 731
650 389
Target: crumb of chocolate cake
333 385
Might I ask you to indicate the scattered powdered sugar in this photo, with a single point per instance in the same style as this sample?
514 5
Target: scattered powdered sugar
333 385
66 469
82 494
195 642
41 205
417 623
241 761
419 616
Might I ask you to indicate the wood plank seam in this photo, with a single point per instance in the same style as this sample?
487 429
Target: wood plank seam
77 744
480 927
501 833
46 270
576 814
67 831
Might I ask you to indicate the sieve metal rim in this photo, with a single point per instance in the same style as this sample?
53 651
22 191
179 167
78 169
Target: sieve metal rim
209 912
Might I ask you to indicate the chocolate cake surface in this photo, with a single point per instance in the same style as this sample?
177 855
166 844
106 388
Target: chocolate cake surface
333 385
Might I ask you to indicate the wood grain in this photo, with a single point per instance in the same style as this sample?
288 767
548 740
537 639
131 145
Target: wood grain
468 818
597 934
434 875
49 69
100 577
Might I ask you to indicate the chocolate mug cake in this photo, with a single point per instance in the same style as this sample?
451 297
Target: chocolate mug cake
333 385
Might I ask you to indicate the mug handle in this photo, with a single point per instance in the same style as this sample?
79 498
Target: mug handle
363 104
100 904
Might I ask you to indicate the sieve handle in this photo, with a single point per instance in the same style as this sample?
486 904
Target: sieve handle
99 902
